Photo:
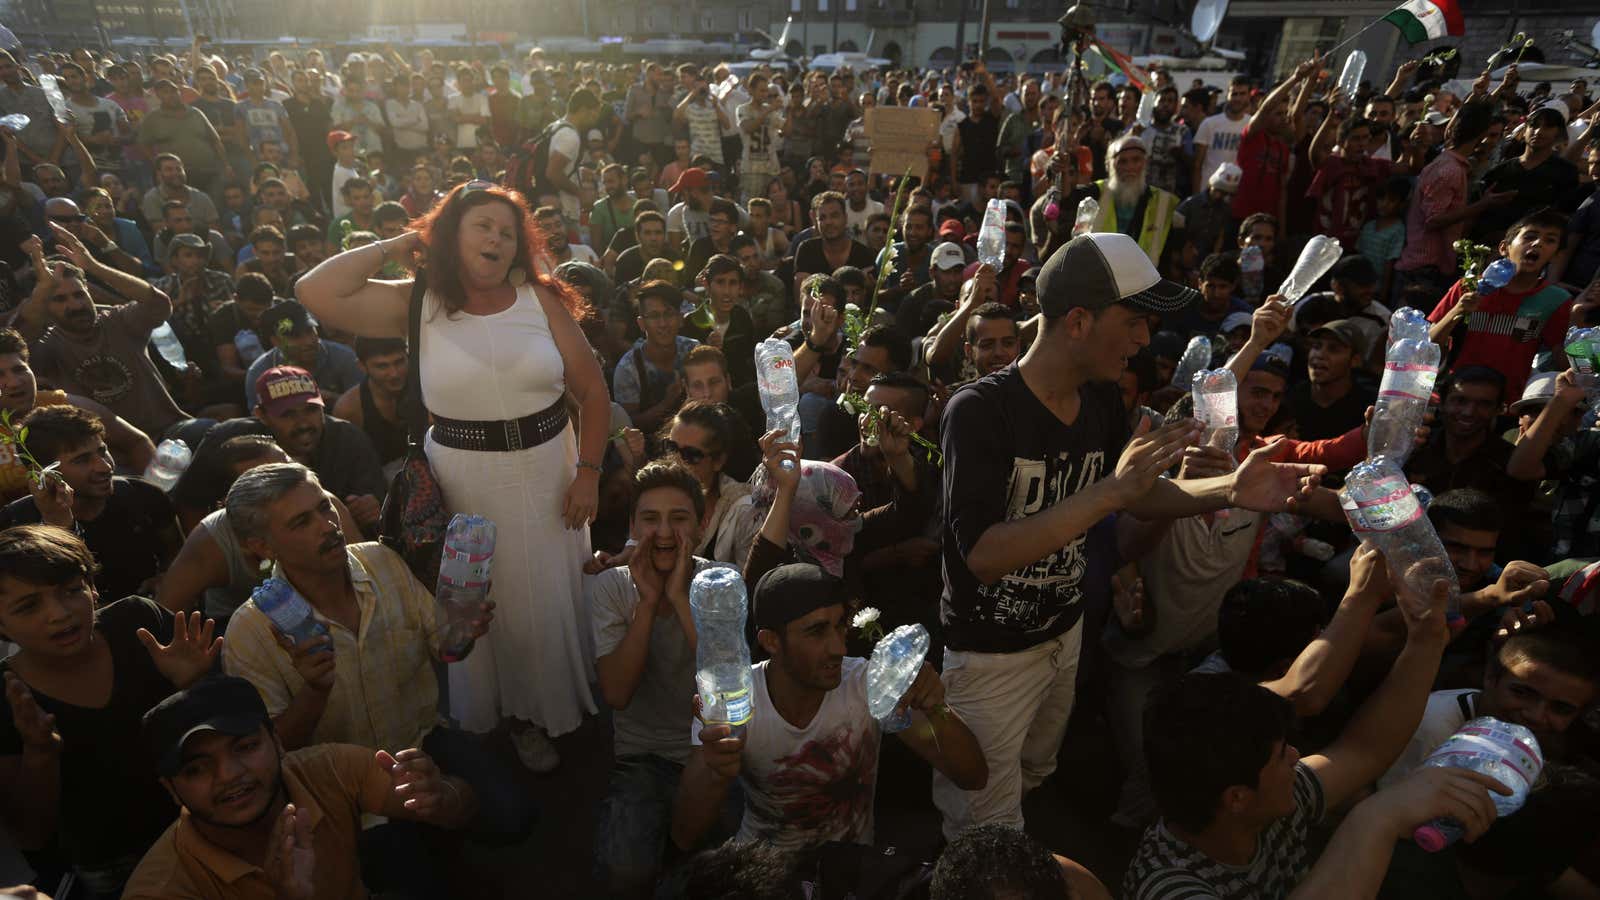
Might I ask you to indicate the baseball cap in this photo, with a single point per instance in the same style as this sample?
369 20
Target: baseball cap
221 703
1094 271
1434 117
337 137
690 179
190 241
1234 320
1355 269
1347 333
948 255
952 230
1226 178
596 135
1127 142
272 321
1274 360
281 388
1537 392
792 591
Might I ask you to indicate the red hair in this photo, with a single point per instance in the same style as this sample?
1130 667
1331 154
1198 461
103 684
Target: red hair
441 230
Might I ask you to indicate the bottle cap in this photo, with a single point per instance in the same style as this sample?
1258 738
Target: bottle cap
1429 838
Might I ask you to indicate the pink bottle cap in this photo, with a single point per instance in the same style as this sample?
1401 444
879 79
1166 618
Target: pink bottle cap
1429 838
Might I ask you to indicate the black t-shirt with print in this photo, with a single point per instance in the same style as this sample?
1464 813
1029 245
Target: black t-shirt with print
1006 457
125 539
1318 423
111 804
810 258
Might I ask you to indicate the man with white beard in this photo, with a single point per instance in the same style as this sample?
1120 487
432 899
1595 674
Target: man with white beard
1128 203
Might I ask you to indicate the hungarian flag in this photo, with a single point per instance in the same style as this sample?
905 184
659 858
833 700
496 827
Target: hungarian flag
1425 20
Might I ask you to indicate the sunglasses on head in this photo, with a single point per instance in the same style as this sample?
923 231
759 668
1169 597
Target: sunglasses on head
691 455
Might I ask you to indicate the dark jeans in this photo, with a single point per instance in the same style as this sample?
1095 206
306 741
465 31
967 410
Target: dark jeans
634 829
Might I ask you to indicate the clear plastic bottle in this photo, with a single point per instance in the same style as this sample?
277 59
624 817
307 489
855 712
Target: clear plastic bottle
1583 354
168 345
248 343
1216 405
1408 323
1146 113
1316 258
722 657
15 122
780 390
893 667
290 613
464 568
171 460
1409 371
1496 275
1381 508
1252 265
1195 357
992 235
1083 221
1355 66
1506 752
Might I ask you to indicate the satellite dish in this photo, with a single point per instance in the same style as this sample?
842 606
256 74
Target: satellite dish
1207 18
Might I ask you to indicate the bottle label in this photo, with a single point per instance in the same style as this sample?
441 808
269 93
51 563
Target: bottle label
735 706
473 567
1394 508
1411 381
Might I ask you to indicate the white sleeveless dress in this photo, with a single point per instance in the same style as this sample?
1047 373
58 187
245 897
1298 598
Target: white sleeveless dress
536 661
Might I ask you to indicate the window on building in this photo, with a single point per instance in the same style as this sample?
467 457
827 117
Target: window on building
795 6
822 5
849 5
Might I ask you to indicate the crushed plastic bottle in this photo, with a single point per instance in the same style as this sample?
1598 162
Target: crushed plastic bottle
1409 370
1381 508
168 345
1252 266
1316 258
892 669
289 612
464 567
168 465
1083 221
1506 752
1355 66
1496 275
1583 354
1216 405
992 235
780 390
1146 113
15 122
722 657
1196 356
1408 323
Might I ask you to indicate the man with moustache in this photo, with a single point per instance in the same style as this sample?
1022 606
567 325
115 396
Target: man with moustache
1167 135
1129 204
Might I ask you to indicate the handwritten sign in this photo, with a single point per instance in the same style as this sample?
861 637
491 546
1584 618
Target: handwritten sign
899 138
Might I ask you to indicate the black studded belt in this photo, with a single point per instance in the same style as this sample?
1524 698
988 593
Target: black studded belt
503 436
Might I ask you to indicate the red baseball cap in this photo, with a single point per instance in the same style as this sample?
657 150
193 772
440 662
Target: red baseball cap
690 179
952 230
281 388
335 138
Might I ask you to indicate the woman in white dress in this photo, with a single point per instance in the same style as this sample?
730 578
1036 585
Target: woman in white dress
497 353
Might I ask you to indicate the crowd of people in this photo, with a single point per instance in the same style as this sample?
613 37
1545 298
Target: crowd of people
365 295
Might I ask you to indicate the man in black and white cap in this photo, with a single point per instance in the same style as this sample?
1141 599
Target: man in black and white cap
1038 456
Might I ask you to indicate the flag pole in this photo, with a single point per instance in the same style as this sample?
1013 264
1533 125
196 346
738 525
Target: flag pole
1370 26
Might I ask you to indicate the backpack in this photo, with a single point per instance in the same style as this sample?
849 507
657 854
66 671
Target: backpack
532 160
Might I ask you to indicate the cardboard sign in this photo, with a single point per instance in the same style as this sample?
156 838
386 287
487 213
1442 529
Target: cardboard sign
899 138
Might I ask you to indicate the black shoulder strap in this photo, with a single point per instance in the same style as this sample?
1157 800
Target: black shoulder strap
412 407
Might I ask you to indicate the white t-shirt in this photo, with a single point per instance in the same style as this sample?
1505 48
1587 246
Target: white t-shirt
1221 137
342 174
807 786
564 140
693 223
477 104
856 219
1444 715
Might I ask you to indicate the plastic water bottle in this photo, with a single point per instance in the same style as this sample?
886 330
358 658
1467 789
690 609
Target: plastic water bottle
1355 66
15 122
1088 212
1381 508
1216 405
1409 370
992 235
1316 258
1506 752
1583 354
893 667
1146 114
168 345
248 343
1195 357
1424 496
722 658
1252 265
290 613
1408 323
1495 276
463 582
171 460
780 390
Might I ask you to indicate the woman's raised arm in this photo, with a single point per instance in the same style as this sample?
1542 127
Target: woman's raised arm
342 292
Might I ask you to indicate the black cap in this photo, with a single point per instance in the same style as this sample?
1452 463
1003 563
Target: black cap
789 592
220 703
298 318
1094 271
1355 269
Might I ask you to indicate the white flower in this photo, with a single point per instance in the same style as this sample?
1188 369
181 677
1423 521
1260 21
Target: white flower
867 615
852 308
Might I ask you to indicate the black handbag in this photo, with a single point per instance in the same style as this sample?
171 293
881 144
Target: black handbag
414 517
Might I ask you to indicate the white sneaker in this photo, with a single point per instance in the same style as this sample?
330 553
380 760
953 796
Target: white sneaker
535 750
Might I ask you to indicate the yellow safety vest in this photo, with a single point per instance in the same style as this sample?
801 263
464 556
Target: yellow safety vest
1157 221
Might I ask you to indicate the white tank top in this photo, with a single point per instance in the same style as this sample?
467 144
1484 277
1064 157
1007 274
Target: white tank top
489 368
